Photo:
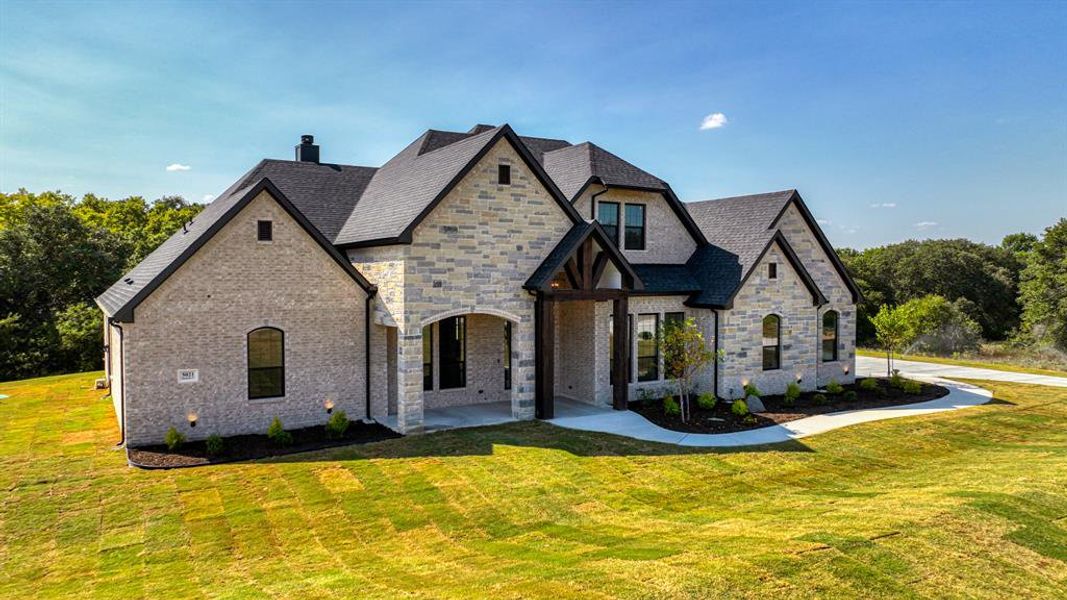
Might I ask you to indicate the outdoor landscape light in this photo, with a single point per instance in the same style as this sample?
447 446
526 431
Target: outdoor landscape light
799 377
744 383
329 405
846 369
192 418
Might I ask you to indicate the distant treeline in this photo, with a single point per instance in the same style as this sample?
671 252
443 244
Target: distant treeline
1014 291
57 254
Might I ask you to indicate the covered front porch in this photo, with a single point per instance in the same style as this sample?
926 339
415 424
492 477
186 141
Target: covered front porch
490 413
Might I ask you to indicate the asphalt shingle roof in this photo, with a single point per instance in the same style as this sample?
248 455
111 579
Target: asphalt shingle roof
571 167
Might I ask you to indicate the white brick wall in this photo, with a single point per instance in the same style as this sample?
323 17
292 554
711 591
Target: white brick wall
666 239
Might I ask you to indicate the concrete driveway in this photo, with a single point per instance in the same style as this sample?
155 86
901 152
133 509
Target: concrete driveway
868 366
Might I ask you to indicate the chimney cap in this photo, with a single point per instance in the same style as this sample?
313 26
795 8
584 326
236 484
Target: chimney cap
307 138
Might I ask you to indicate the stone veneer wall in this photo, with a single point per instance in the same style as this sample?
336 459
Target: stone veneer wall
471 254
666 239
804 243
200 317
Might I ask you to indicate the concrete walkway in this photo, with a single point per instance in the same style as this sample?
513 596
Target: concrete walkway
630 424
868 366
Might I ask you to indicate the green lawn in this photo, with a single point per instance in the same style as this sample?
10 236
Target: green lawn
981 364
971 503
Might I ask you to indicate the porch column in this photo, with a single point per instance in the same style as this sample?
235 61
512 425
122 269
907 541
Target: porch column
620 389
409 381
546 368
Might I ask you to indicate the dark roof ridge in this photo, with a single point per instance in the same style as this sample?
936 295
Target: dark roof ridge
789 191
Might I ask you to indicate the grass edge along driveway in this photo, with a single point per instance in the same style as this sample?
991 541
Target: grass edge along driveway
980 364
964 503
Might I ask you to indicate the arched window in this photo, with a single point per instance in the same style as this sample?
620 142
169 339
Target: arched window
266 363
772 342
829 336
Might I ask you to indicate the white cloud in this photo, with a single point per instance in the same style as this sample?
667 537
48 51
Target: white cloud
207 198
713 121
824 221
884 205
177 167
925 224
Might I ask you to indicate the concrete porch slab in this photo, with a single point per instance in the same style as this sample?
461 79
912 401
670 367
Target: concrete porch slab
490 413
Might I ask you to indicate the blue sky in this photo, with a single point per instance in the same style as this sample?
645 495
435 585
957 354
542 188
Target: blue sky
893 120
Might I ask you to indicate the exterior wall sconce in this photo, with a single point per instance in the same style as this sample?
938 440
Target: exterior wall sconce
846 369
192 418
328 405
744 383
800 377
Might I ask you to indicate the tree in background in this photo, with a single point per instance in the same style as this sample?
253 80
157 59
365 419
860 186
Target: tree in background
685 354
938 326
56 256
892 331
1043 291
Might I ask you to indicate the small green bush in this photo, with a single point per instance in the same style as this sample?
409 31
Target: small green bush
834 388
896 380
337 425
671 407
173 439
851 396
869 384
749 419
912 388
213 444
277 434
706 401
792 394
819 399
739 408
752 390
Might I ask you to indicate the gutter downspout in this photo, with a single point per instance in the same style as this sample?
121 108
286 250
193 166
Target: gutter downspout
716 351
592 201
122 376
366 347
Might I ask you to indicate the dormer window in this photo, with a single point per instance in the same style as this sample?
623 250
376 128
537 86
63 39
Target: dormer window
772 270
265 231
503 174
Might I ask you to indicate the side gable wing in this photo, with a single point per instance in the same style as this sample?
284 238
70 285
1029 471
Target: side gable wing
818 299
120 300
824 243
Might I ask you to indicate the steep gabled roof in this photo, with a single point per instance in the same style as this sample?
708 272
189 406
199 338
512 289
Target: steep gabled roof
120 300
407 187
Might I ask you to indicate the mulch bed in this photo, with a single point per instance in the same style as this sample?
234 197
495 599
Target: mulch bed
722 420
249 447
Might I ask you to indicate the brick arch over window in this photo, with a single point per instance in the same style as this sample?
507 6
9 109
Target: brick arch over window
470 310
266 363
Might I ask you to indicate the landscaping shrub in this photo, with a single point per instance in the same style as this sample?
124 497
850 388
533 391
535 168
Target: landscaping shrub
912 388
337 425
213 443
896 380
819 399
792 394
869 384
739 407
752 390
850 396
277 434
706 401
671 406
173 439
834 388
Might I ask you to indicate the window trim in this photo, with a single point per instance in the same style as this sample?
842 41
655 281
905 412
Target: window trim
643 226
655 348
427 367
461 364
249 368
260 223
503 174
837 335
778 345
618 219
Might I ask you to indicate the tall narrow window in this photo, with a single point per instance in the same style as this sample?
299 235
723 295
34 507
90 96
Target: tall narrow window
647 348
503 174
507 355
453 358
635 226
427 358
264 231
829 336
772 270
266 363
607 213
772 343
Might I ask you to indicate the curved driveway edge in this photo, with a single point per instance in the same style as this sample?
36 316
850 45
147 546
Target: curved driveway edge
630 424
871 366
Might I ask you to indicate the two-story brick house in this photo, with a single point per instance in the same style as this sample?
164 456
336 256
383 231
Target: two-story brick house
477 267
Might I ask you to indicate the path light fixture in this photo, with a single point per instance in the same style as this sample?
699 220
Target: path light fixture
192 418
328 404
